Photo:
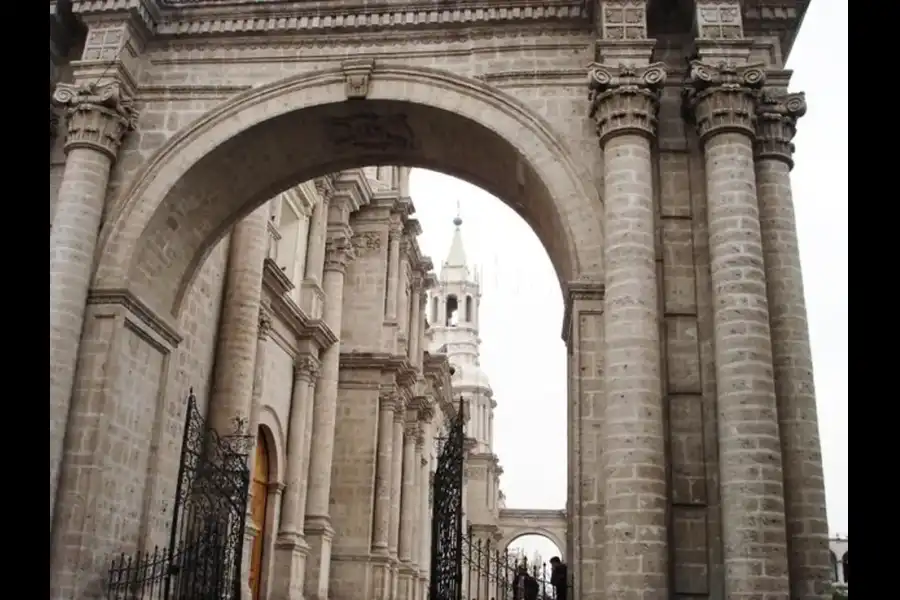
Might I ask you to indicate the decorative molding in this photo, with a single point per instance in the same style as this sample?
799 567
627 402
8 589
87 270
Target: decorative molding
365 243
264 326
719 20
583 291
625 99
338 253
223 17
370 132
306 368
722 98
126 299
776 125
98 115
623 19
356 77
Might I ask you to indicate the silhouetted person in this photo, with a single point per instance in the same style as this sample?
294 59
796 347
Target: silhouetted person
525 587
559 578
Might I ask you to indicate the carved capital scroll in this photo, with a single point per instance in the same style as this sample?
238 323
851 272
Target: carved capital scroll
97 116
776 125
306 368
265 324
624 99
338 253
722 98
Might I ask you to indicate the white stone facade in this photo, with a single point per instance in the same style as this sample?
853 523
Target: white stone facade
660 189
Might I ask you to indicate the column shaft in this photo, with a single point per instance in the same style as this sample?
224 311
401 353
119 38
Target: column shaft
403 298
97 119
232 392
393 275
624 105
804 485
318 526
396 481
384 461
414 324
753 527
294 511
407 501
315 250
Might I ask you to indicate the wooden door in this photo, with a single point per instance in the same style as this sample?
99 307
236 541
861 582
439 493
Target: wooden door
259 497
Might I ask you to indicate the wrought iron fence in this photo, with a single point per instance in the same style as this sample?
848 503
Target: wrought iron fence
492 573
203 558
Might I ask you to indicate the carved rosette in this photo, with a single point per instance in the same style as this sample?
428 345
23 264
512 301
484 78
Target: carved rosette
97 116
776 125
625 100
722 98
306 369
338 253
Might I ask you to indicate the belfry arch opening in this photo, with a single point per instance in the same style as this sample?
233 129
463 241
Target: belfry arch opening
452 309
209 177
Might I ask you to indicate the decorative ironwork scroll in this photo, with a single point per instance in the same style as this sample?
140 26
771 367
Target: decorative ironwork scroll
447 515
203 558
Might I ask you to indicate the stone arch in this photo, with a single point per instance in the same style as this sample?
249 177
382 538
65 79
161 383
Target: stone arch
259 143
271 428
554 537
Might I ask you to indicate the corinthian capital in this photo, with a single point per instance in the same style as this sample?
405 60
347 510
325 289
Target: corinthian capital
265 323
97 115
625 99
776 125
338 253
722 98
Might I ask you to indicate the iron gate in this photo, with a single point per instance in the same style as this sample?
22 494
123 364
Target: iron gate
447 515
203 558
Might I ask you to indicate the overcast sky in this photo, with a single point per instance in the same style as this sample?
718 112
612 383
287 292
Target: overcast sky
521 311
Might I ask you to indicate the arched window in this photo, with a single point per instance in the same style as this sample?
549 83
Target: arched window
845 562
434 310
469 309
834 566
259 500
452 311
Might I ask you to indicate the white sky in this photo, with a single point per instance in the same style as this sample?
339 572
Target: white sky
522 308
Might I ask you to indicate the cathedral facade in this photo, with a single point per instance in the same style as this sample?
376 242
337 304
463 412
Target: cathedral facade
648 145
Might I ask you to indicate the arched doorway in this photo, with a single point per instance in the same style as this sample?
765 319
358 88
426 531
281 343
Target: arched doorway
259 500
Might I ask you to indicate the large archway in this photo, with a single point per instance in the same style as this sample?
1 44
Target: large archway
267 139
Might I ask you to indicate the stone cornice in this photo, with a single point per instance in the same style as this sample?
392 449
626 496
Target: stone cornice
284 307
144 13
218 17
154 322
579 290
399 365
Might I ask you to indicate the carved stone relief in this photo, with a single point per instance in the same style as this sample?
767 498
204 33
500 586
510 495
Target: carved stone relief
624 20
366 242
371 132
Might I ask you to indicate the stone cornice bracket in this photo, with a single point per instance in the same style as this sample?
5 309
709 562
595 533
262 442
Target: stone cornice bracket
306 368
357 77
338 253
625 99
776 125
722 98
98 115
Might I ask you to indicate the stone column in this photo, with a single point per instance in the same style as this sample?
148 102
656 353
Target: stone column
396 487
403 298
624 104
387 402
394 270
291 547
804 485
423 516
407 510
318 224
319 533
232 391
415 314
723 100
423 308
97 118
